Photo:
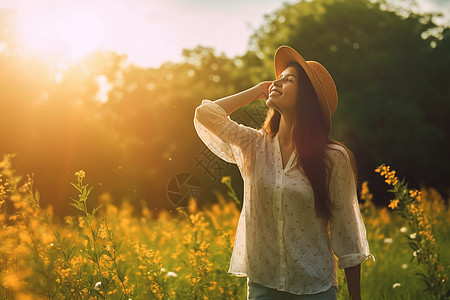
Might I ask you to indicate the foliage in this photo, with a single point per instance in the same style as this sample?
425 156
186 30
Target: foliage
231 193
409 205
109 253
391 67
388 64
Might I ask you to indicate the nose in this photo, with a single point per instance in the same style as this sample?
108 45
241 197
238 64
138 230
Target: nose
277 82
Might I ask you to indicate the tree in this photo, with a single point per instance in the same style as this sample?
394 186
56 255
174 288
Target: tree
390 69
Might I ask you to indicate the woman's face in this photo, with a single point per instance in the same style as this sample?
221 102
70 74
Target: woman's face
283 91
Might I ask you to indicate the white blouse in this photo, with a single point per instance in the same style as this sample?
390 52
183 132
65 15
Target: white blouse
280 243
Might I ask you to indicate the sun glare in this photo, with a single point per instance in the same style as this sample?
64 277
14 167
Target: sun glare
104 87
68 33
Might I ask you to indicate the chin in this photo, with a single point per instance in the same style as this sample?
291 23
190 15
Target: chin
271 103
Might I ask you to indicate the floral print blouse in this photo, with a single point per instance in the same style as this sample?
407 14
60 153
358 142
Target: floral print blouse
280 243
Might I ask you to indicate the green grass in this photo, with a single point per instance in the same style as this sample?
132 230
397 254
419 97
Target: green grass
116 254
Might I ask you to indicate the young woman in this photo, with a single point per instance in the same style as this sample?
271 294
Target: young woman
300 208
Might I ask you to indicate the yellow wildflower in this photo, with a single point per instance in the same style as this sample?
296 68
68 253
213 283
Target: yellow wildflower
103 231
68 220
81 222
382 169
389 175
2 190
391 181
365 193
80 175
414 193
393 204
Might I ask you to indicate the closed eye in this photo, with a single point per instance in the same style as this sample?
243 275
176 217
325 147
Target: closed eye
286 77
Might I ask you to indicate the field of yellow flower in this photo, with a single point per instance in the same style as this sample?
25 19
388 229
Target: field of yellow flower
111 253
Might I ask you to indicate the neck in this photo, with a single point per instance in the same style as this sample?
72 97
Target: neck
286 128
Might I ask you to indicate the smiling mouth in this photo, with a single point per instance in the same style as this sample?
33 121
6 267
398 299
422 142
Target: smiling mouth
275 93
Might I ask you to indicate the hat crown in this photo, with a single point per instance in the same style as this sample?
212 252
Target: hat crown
327 84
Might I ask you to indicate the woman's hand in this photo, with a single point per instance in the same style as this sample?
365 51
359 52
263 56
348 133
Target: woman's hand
264 89
233 102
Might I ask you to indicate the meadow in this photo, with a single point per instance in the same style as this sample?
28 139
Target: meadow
114 252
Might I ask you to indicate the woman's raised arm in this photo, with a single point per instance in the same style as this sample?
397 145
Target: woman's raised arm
233 102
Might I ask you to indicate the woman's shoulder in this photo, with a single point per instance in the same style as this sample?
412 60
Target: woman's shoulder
265 136
337 152
338 155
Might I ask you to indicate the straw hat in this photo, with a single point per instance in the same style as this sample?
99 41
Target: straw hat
320 78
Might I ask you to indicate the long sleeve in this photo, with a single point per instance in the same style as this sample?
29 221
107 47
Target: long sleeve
347 230
223 136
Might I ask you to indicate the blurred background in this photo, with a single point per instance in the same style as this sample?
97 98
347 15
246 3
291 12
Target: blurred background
110 87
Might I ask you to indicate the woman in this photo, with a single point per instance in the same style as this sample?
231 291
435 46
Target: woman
300 206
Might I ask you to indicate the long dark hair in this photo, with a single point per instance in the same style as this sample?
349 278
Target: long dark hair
311 138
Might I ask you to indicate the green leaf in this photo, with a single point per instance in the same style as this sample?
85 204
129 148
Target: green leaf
121 270
84 236
94 211
37 196
414 246
92 255
83 191
77 206
76 187
106 281
119 244
89 191
48 216
110 269
58 237
70 252
106 252
88 255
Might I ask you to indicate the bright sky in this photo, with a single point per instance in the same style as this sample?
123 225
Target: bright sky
150 32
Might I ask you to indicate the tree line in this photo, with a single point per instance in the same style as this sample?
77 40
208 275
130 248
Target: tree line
391 67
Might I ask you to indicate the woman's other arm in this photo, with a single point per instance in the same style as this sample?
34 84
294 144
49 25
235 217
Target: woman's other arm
233 102
353 282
